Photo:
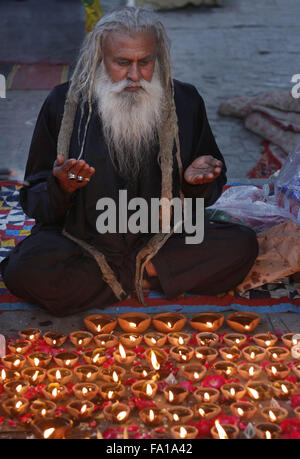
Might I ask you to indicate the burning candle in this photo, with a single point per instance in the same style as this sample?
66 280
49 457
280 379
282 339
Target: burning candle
142 372
15 406
16 387
267 430
124 357
96 356
34 375
54 391
277 370
182 353
235 339
112 374
156 357
254 353
30 334
62 375
184 432
283 389
224 431
232 354
106 340
244 410
167 322
233 391
206 394
193 371
100 323
179 414
151 416
274 414
66 359
131 339
134 322
258 390
290 339
52 428
112 391
116 412
265 339
243 322
277 353
178 339
225 368
8 375
54 339
42 408
144 389
249 370
174 393
155 339
85 390
206 354
39 359
207 339
207 410
207 321
14 361
86 372
81 338
80 409
19 346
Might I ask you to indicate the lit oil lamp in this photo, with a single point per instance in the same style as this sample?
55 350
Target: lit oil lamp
142 372
235 339
100 323
95 356
233 391
274 414
80 410
134 322
265 339
116 412
206 354
112 374
30 334
81 338
267 430
179 414
42 408
207 321
151 416
178 339
15 406
254 353
86 372
126 357
243 409
193 371
131 339
61 375
182 353
8 375
289 340
207 410
230 353
277 370
39 359
66 359
277 353
184 432
225 368
16 387
156 357
106 340
249 370
51 428
34 375
14 361
85 390
243 322
144 389
258 390
167 322
207 339
19 346
54 391
111 392
174 393
224 431
155 339
54 339
283 390
206 394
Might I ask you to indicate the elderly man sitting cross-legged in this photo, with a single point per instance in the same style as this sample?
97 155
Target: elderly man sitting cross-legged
122 124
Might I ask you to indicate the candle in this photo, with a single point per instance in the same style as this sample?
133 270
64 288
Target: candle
86 372
290 339
274 414
254 353
39 359
179 414
96 356
54 339
181 353
80 409
178 339
155 339
151 416
81 338
243 322
8 375
278 353
112 391
85 390
206 353
265 339
277 370
15 406
207 321
117 412
42 408
283 389
30 334
126 357
267 430
34 375
225 368
106 340
16 387
243 409
184 432
167 322
174 393
249 370
112 374
14 361
62 375
193 371
207 410
52 428
207 339
100 323
131 339
54 391
206 394
224 431
66 359
232 354
233 391
144 389
156 357
258 390
142 372
235 339
19 346
134 322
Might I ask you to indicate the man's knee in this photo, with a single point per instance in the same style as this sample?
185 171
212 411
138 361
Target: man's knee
246 243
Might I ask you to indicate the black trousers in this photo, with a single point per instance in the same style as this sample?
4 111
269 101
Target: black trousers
51 271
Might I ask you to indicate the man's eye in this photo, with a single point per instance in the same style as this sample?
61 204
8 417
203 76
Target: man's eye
124 63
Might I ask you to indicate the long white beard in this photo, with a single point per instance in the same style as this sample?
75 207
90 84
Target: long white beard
130 119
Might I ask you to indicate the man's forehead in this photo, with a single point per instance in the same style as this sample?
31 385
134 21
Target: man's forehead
119 41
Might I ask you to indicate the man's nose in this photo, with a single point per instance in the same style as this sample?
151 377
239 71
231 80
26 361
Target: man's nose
134 73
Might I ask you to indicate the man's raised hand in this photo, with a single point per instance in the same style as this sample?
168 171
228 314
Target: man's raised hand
203 169
79 170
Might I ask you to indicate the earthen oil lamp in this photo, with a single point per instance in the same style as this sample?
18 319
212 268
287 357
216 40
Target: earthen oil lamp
206 394
16 387
51 428
106 340
181 353
178 338
277 370
277 353
144 389
15 406
207 410
184 432
134 322
124 357
297 412
230 353
167 322
39 359
117 412
283 390
81 338
85 390
80 410
207 321
254 353
224 431
207 339
86 372
54 339
95 356
295 369
9 375
42 408
14 361
112 374
131 339
243 322
100 323
258 390
235 339
19 346
34 375
30 334
265 339
225 368
273 414
155 339
142 372
193 371
175 393
62 375
156 357
151 416
243 409
179 414
206 354
111 391
267 430
66 359
233 391
249 370
288 339
54 391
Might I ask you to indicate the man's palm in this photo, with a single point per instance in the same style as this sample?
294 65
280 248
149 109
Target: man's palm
203 169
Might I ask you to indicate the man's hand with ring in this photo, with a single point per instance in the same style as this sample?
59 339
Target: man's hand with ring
203 169
72 174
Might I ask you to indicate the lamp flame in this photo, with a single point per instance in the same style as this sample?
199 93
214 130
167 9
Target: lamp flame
58 374
154 361
18 404
121 415
240 411
110 394
209 324
122 351
221 432
34 377
268 435
115 376
176 417
171 396
206 396
254 393
272 416
83 409
149 390
48 432
36 361
132 324
201 412
180 340
196 375
151 415
251 371
284 389
182 432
